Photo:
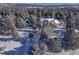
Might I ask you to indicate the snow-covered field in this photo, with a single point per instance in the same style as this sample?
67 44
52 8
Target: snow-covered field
19 46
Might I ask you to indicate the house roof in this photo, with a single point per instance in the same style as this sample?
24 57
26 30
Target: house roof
50 19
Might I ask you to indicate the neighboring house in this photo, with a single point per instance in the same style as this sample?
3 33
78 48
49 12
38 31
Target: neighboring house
52 21
54 30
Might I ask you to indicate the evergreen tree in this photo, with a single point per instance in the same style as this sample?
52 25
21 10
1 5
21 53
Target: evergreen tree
71 38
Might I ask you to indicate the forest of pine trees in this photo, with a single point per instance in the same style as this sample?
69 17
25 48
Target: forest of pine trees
13 18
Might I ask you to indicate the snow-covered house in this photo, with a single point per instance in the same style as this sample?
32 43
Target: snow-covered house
59 30
51 20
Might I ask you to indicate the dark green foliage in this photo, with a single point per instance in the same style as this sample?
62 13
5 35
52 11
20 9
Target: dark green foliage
71 36
54 45
31 36
38 49
43 35
16 18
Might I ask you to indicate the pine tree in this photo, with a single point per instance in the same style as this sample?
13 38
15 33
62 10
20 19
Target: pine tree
54 44
38 49
2 26
11 26
71 38
20 22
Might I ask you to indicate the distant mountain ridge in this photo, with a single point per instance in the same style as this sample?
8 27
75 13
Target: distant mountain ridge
66 5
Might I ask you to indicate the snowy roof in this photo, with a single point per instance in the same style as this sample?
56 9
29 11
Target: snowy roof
56 21
50 19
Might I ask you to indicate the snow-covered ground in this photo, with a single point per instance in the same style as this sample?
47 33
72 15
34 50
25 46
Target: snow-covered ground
9 45
19 46
4 36
63 52
27 29
23 34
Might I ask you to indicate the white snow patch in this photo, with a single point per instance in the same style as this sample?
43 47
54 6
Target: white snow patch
56 21
9 45
60 29
5 36
49 19
25 29
23 34
63 52
76 30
